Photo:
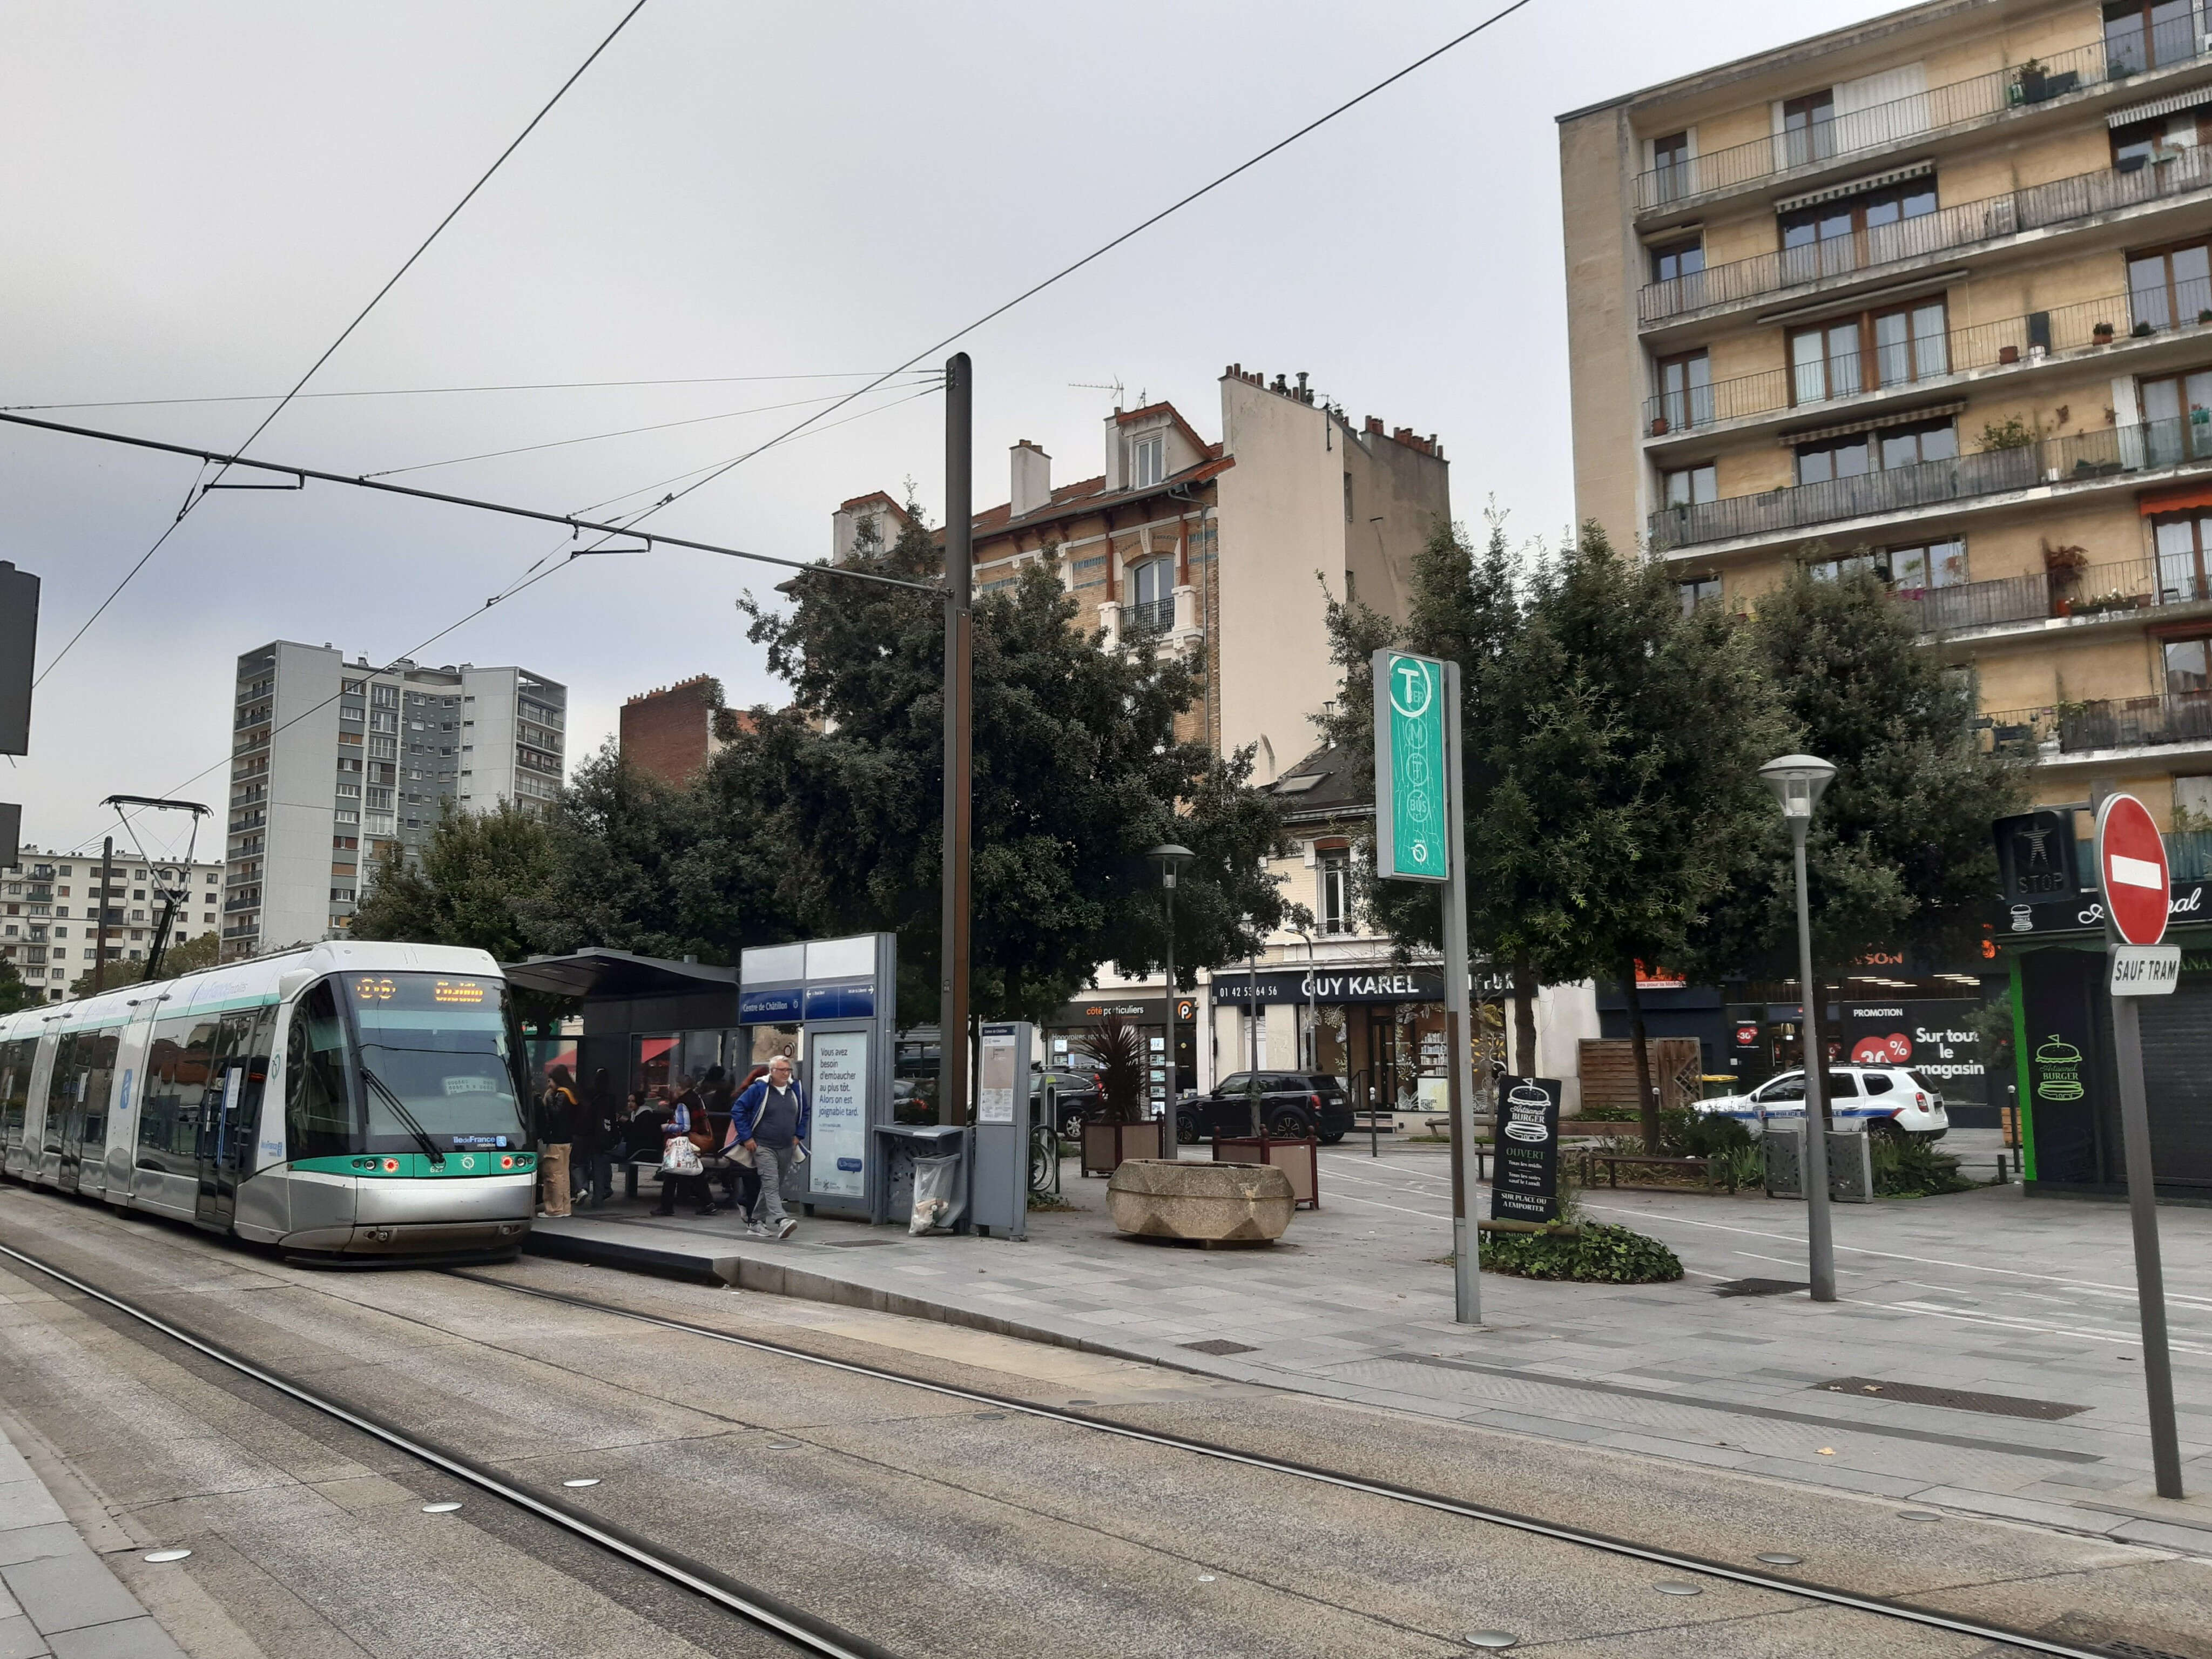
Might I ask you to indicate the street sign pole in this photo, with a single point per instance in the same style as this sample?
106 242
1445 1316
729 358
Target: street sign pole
1420 835
2132 866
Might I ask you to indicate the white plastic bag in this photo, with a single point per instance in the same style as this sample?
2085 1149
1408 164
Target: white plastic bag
680 1158
935 1187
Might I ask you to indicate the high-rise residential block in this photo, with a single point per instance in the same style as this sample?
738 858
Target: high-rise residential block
333 763
1929 295
50 905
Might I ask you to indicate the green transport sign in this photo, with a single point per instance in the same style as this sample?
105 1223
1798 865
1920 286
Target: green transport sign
1412 842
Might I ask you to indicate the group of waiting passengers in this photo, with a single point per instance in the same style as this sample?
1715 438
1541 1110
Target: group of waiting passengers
749 1136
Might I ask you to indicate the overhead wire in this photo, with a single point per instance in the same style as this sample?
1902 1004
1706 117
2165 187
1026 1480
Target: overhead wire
439 391
346 333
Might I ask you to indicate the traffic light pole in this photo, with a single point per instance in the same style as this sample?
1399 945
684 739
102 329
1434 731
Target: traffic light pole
959 736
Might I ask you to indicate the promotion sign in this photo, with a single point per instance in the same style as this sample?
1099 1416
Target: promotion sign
1412 842
837 1149
1526 1184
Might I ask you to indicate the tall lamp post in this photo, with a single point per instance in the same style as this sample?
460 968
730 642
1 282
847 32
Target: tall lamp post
1171 858
1797 781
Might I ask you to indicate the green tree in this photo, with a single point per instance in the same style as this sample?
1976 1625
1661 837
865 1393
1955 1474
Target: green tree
479 874
1078 770
189 957
1899 854
16 994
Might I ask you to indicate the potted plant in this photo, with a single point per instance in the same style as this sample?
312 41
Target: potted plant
2102 334
2063 565
2007 354
2141 331
1658 426
1116 1049
2205 315
2031 83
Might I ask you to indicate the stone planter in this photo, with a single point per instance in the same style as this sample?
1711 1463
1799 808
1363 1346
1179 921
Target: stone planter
1211 1203
1107 1146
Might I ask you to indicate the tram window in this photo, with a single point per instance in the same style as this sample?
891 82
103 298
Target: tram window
14 1086
179 1063
317 1105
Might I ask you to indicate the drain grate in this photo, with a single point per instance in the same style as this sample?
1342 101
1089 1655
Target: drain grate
1218 1345
851 1243
1760 1287
1957 1399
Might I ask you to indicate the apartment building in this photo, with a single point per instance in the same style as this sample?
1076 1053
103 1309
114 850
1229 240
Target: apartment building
1932 294
50 906
1213 546
333 761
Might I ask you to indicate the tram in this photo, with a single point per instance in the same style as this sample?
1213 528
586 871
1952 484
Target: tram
346 1099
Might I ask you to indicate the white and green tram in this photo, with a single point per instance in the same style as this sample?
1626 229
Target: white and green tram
347 1099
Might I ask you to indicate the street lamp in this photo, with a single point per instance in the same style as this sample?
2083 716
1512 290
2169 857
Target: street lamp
1171 858
1797 781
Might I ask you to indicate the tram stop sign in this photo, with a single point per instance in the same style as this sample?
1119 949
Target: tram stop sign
1412 842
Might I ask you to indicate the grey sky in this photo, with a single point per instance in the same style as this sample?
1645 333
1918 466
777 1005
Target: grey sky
198 198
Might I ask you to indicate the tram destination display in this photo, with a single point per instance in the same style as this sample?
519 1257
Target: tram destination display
1525 1186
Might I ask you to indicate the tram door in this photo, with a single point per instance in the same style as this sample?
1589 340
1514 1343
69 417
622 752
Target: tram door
76 1102
230 1111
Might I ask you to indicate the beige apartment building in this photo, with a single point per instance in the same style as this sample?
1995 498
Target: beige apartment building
1934 292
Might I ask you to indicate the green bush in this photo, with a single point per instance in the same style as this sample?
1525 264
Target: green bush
1913 1169
1747 1163
1601 1255
1709 1134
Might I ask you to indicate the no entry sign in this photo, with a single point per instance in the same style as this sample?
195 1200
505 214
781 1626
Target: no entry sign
2131 860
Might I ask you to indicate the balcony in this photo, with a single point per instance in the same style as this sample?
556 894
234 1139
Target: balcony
2180 172
2091 593
1144 619
1923 115
2189 854
2056 731
1930 360
2086 456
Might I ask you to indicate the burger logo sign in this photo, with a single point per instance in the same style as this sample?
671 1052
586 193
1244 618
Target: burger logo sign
1528 1110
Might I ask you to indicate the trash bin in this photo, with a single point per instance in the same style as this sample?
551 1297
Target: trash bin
944 1146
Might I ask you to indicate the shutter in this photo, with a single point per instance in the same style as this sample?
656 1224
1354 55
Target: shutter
2177 1043
1880 109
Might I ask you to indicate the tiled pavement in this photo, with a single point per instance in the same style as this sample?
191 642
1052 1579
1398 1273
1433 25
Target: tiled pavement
58 1597
1990 1293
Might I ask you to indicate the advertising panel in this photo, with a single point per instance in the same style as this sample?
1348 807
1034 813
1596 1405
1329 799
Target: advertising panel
838 1152
1525 1186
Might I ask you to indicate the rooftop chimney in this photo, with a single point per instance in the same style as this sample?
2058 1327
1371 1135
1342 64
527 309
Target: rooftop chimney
1032 485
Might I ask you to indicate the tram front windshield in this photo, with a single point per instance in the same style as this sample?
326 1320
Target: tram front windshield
434 1061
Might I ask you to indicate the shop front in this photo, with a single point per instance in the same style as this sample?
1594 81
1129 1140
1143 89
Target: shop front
1380 1030
1146 1010
2067 1079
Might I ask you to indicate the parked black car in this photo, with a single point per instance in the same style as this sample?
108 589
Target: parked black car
1075 1097
1290 1104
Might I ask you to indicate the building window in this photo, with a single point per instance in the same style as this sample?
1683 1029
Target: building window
1147 461
1686 392
1830 238
1671 261
1882 451
1335 889
2177 412
1698 590
2188 666
2172 285
1670 167
1151 609
2183 541
2141 34
1808 128
1690 486
2161 137
1910 343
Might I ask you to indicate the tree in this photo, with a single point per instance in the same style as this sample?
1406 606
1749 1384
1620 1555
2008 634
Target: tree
15 994
1899 854
478 875
1078 771
189 957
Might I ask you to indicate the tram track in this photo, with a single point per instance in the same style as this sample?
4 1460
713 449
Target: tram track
1905 1612
807 1633
802 1630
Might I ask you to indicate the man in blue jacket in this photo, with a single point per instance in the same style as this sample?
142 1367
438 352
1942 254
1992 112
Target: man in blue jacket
769 1121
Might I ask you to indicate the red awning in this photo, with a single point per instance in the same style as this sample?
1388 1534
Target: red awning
2174 500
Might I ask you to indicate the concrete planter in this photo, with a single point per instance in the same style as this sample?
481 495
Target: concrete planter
1211 1203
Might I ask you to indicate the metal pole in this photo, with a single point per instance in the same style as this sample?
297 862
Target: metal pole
1820 1244
1252 1027
100 949
1467 1161
1168 1109
2142 1220
959 578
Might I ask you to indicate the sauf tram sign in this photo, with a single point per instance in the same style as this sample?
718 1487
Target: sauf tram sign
1411 839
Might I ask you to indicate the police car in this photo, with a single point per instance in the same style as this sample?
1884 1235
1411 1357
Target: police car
1881 1100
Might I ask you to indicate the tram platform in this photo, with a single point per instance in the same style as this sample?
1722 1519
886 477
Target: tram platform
60 1597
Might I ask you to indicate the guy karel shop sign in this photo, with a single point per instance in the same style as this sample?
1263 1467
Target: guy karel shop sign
1381 985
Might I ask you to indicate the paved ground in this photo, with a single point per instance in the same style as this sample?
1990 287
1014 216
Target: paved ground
59 1597
915 1519
1987 1293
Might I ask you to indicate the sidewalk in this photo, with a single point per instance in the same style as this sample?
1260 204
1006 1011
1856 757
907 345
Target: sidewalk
59 1597
1984 1356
